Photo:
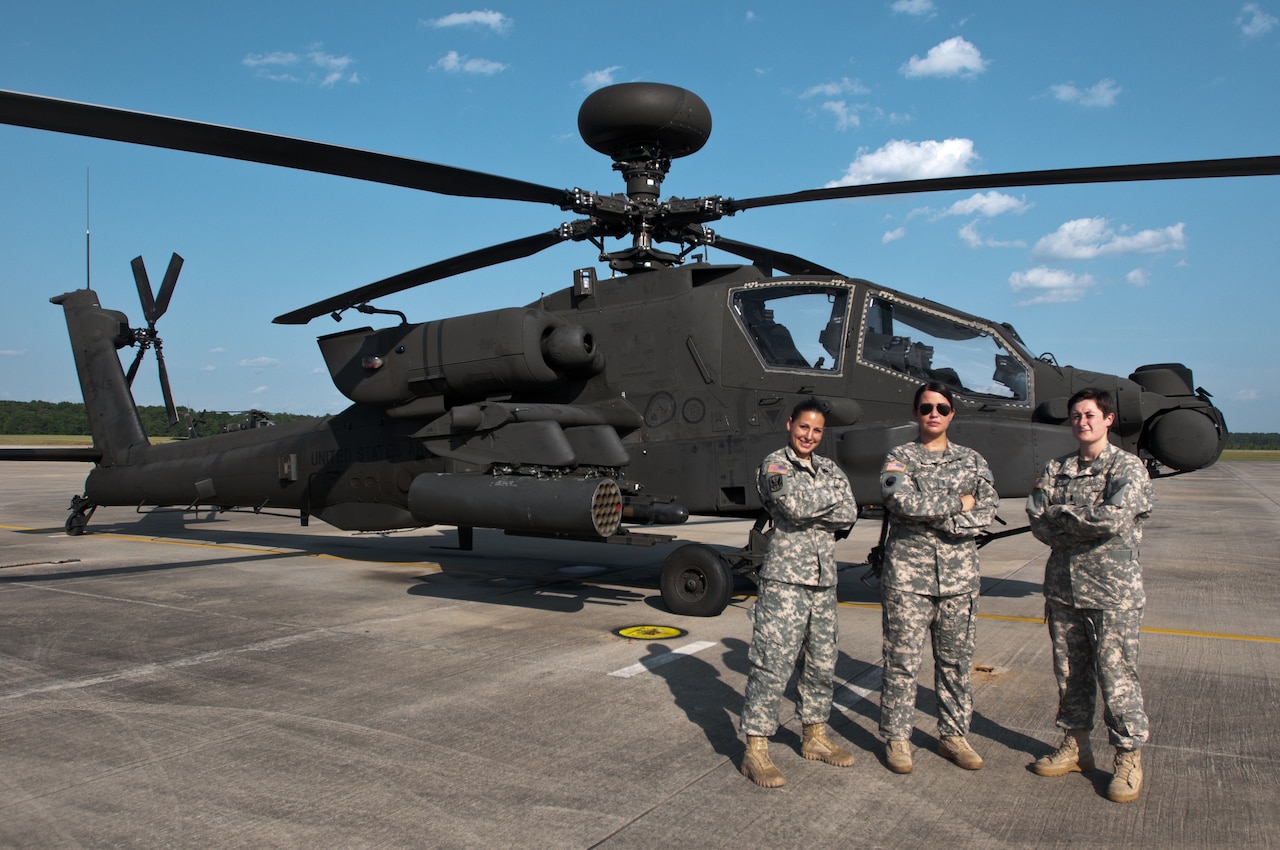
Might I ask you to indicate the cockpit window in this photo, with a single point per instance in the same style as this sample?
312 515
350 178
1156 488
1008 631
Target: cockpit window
794 327
968 357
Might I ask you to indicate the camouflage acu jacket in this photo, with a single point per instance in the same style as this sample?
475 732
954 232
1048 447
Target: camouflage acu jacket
808 508
1091 515
930 549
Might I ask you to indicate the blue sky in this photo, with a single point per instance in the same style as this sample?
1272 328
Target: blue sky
802 95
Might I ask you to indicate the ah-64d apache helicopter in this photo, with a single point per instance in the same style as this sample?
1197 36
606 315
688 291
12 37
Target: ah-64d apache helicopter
640 398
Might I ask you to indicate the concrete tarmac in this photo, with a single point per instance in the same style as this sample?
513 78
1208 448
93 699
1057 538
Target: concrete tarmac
235 680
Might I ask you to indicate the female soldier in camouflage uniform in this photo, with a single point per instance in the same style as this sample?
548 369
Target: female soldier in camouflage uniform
939 497
809 500
1089 507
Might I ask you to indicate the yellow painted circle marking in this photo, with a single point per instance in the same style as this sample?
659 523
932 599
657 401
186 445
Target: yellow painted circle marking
650 632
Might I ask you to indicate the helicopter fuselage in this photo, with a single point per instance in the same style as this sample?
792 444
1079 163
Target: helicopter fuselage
673 384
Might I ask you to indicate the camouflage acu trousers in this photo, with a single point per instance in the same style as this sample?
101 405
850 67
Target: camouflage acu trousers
1098 649
791 621
952 621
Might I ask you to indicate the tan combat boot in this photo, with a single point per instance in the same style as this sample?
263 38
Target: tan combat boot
955 748
897 756
816 745
758 767
1074 755
1127 782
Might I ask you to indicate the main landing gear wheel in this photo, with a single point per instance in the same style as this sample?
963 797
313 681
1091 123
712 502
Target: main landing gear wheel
696 581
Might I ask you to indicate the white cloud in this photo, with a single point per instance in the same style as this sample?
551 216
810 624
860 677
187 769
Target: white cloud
846 115
988 204
893 235
1138 277
969 233
1254 22
1054 285
918 8
277 58
208 368
1086 238
953 57
834 89
12 352
1246 395
315 67
455 63
258 364
495 21
334 67
1103 94
904 160
593 80
259 390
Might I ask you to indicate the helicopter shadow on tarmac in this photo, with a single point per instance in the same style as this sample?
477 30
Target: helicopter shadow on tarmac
564 576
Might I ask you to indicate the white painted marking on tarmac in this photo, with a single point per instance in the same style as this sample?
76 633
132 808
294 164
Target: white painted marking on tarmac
151 670
666 658
851 693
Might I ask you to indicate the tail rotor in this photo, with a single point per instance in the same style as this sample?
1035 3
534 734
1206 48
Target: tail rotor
153 307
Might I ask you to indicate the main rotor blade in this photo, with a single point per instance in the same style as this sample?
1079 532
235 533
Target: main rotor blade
167 285
507 251
122 125
785 263
144 288
133 369
169 407
1254 166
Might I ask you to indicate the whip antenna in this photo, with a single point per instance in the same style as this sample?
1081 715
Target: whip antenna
86 229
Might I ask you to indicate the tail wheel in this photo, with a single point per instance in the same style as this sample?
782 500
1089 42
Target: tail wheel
696 581
81 509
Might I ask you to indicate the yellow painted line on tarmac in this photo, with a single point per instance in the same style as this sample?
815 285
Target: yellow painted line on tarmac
1145 629
1214 635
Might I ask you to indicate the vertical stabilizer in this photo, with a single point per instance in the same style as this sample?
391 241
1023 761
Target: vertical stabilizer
96 336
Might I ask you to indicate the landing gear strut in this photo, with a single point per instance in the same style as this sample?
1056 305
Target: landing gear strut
81 509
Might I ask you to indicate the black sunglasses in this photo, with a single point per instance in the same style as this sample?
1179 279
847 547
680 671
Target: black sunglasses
926 408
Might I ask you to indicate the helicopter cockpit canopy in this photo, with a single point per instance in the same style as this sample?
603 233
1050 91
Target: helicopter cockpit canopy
963 353
795 326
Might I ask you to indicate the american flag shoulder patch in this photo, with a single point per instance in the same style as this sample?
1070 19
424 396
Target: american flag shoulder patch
895 466
778 467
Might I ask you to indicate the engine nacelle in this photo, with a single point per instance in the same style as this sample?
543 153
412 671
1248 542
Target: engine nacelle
467 358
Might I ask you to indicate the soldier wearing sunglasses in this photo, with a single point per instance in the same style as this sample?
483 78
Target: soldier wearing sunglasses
939 497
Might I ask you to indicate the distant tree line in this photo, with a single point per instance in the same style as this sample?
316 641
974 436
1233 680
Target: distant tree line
69 417
1253 440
